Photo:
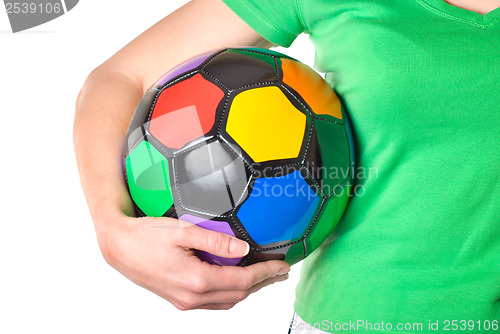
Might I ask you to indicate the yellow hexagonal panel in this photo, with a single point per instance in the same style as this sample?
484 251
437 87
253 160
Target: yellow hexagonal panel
266 125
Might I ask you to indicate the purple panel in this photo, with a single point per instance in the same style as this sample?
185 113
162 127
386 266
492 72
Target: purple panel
214 226
184 67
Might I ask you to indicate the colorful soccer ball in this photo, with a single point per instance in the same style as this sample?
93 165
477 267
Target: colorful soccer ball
245 141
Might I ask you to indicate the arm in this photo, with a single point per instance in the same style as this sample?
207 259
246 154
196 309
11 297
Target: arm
149 250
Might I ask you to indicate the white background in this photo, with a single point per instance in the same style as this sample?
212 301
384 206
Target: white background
52 276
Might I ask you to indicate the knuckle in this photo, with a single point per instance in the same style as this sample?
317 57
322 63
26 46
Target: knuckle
268 271
180 307
198 284
217 242
227 306
183 234
240 296
245 283
179 236
189 301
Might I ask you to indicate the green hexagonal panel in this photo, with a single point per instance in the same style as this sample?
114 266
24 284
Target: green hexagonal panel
330 215
334 149
295 253
149 180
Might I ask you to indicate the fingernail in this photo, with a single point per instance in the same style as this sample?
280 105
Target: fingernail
237 246
283 278
283 271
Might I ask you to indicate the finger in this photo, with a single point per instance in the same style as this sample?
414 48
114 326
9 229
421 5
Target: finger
217 278
216 243
216 306
267 282
185 300
196 300
224 300
211 306
234 296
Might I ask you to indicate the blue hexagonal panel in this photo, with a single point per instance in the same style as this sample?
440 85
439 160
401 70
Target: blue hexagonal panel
278 208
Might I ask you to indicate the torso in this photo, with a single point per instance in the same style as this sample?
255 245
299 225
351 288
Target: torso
419 80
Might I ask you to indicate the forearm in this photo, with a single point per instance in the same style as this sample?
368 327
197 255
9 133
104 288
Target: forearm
104 108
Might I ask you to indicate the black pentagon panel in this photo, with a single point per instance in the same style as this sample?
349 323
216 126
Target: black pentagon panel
237 69
313 161
136 131
258 256
138 212
210 180
272 168
238 230
171 213
296 100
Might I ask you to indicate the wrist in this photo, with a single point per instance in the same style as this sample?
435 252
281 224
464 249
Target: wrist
107 227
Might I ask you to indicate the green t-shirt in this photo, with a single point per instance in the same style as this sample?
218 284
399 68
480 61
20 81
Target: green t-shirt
420 241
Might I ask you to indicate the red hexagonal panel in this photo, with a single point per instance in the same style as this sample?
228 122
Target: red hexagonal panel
185 111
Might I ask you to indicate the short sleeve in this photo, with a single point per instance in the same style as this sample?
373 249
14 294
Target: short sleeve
278 21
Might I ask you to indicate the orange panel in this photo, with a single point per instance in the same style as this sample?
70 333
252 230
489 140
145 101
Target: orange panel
311 86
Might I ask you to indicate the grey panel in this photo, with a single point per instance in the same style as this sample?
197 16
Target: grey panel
210 180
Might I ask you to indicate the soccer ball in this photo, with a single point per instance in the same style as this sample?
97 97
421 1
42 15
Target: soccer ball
245 141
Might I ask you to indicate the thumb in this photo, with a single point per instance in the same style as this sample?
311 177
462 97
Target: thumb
216 243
